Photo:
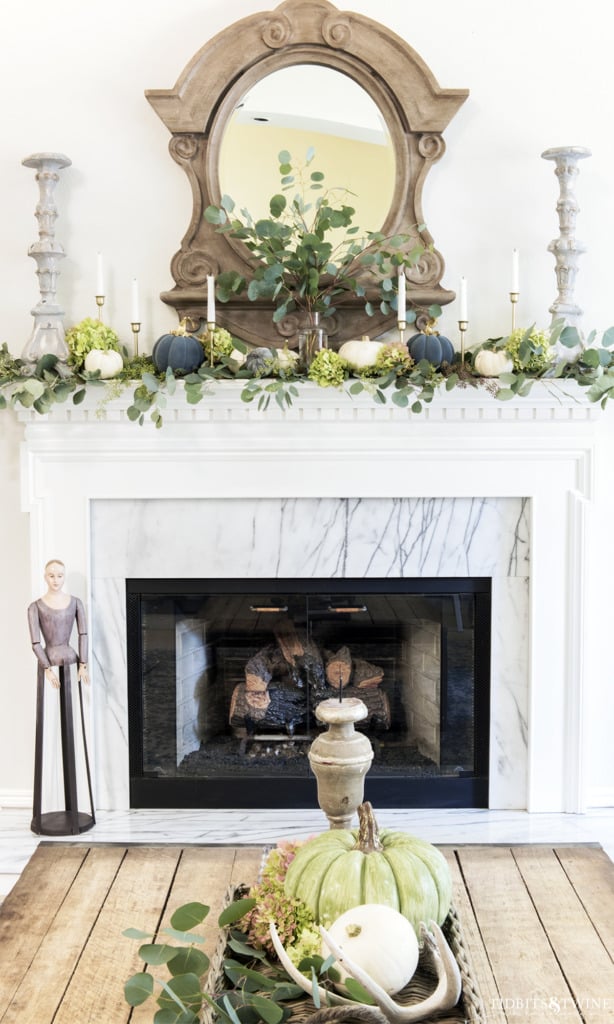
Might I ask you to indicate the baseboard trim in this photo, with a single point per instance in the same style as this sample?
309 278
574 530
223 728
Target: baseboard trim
15 798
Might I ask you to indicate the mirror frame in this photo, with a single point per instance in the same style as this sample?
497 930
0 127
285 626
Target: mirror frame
197 110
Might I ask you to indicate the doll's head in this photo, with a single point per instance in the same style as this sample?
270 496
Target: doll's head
54 574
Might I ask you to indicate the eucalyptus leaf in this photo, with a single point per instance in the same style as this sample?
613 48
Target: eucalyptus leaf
138 988
239 974
230 1010
183 991
315 990
181 936
34 387
243 949
287 991
176 1016
357 992
607 337
570 337
189 915
189 961
136 933
269 1010
590 357
504 394
235 911
157 953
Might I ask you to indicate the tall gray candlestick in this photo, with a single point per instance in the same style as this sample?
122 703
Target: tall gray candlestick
48 331
566 249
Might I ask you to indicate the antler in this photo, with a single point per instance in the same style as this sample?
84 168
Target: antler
446 994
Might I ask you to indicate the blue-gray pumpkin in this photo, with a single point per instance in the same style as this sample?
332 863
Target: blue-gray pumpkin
182 352
433 347
259 361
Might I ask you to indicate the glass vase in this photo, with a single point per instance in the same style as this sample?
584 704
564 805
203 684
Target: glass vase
312 338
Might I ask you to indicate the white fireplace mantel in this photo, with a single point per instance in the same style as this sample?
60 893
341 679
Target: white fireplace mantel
466 445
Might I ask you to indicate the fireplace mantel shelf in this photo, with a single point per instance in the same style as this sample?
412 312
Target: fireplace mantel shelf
547 401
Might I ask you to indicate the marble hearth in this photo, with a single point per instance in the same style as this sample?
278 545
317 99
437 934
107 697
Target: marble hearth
337 487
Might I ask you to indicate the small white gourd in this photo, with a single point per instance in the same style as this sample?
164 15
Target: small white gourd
287 359
381 941
360 353
236 359
492 363
107 360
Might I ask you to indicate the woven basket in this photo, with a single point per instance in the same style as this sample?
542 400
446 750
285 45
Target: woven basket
469 1009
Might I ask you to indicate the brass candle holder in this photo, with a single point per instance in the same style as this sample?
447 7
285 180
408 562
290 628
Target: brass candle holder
100 304
136 327
514 299
462 326
210 330
402 325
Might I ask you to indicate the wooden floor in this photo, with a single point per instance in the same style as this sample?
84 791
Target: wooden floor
538 922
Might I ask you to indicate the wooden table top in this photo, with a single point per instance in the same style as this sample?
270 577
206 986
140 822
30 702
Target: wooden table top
538 923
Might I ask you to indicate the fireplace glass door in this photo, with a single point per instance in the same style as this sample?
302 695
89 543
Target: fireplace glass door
224 678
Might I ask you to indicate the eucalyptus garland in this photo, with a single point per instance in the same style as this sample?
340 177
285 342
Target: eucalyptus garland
394 378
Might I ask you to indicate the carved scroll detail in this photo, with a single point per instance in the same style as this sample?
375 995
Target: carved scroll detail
277 32
428 270
183 147
191 268
337 32
431 146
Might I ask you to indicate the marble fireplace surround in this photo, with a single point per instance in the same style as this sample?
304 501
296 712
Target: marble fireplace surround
338 487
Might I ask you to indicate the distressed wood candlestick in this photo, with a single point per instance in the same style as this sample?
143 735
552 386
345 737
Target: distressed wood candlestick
48 331
566 248
340 758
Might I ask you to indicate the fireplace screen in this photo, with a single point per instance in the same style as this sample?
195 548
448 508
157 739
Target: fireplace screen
224 678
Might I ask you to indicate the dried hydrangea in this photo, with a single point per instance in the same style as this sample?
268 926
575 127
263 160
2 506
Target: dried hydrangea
290 915
328 369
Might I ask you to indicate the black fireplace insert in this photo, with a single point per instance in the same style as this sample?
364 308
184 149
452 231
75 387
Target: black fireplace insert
224 677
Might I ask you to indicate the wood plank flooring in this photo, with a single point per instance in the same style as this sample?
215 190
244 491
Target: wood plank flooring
538 922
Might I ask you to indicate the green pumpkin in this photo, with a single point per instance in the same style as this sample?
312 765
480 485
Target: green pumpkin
431 346
341 869
178 349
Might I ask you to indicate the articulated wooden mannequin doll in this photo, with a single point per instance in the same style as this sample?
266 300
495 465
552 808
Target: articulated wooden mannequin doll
52 619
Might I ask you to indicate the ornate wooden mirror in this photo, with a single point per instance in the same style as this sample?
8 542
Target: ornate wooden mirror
403 116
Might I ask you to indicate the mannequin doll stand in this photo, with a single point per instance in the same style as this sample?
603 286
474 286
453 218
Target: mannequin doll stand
70 820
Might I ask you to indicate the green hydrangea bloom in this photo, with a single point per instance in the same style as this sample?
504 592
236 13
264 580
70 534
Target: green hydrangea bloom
328 369
219 346
394 356
530 351
307 945
85 336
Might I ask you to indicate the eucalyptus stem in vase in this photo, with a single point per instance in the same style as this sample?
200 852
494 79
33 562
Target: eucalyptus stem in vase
308 253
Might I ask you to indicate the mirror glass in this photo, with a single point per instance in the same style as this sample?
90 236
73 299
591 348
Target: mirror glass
299 107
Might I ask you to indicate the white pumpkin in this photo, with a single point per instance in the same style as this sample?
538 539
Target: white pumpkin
378 939
490 363
360 353
237 359
107 360
287 359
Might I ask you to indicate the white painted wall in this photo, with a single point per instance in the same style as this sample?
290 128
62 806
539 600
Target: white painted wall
72 78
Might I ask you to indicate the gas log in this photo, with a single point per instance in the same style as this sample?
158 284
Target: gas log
284 682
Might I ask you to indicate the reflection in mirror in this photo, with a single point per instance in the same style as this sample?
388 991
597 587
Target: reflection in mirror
299 107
